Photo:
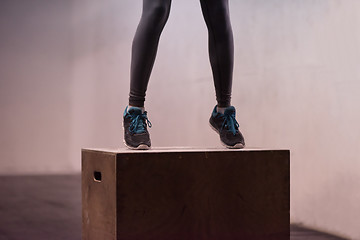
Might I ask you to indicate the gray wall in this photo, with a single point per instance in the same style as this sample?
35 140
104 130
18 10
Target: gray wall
64 79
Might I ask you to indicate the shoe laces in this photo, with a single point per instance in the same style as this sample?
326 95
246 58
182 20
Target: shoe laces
230 122
139 122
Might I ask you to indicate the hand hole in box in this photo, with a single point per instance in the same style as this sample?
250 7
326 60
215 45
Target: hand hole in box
97 176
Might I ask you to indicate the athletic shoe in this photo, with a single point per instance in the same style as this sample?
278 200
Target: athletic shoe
136 135
227 127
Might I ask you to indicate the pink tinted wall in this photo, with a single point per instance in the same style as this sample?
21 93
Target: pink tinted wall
35 80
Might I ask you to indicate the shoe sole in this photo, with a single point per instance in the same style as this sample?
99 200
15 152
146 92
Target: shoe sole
140 147
236 146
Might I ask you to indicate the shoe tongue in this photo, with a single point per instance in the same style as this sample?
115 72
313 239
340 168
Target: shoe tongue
229 111
135 111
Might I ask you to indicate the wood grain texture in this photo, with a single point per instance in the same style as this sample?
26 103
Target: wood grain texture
55 200
216 195
98 198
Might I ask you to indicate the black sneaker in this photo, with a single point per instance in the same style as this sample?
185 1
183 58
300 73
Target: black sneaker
136 135
227 127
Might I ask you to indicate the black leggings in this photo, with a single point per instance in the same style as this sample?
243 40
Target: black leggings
221 47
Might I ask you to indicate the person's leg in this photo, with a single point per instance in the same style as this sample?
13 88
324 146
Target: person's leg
221 51
221 47
154 16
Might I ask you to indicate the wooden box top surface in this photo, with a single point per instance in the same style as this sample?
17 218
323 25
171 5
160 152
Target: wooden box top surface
179 149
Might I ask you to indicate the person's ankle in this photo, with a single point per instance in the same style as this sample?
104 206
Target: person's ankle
142 108
221 109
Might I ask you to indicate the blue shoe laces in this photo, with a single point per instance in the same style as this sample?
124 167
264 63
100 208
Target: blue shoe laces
138 123
230 122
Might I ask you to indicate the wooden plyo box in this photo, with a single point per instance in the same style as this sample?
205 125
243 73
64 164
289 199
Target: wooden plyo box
185 194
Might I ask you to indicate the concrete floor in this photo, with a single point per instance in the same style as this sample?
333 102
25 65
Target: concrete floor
49 207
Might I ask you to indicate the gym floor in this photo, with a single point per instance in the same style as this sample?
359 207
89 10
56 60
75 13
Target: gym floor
49 207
